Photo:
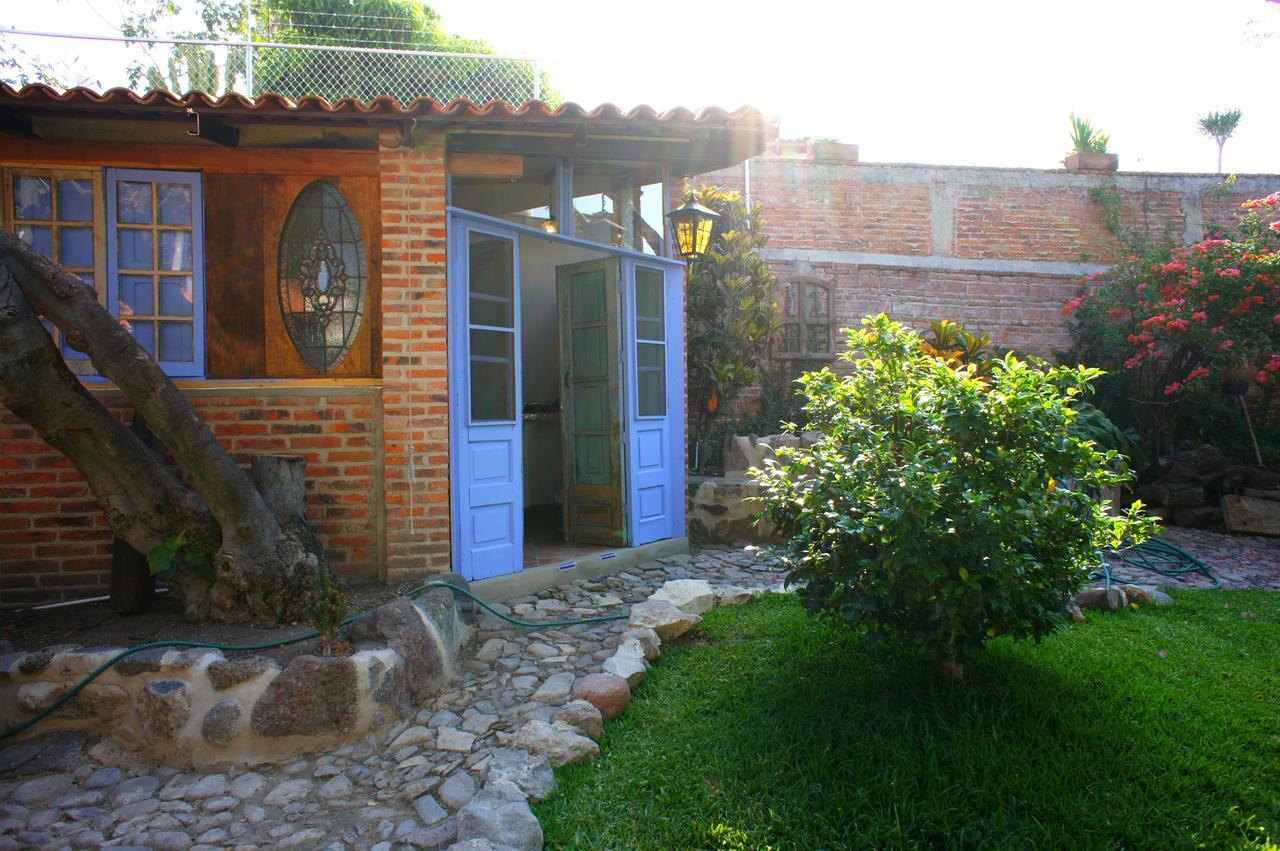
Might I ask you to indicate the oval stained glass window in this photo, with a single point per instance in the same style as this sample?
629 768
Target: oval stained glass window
321 275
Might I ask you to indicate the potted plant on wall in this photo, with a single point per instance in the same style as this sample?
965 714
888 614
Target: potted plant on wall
1089 148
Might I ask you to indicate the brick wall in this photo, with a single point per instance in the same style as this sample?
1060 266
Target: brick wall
415 358
54 541
1000 250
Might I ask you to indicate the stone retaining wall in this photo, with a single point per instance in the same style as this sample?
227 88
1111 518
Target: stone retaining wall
198 707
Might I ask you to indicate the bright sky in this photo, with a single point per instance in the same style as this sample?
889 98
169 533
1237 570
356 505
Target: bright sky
985 82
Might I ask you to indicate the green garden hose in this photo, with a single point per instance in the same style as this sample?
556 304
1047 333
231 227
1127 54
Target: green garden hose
247 648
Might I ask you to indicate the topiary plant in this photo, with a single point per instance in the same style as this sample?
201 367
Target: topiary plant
933 508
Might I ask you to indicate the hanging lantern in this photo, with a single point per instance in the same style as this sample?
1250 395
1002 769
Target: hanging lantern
691 225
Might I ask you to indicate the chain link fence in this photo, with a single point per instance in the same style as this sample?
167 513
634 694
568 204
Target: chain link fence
254 68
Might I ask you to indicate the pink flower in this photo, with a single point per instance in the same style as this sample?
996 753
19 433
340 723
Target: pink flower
1173 388
1226 344
1200 316
1228 273
1275 226
1162 654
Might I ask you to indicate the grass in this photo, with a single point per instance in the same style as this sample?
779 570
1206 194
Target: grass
777 730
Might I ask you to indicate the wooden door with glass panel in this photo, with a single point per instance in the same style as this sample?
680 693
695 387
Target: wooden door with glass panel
590 394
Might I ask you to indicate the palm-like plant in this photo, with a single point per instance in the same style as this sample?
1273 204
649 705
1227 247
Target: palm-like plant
1086 138
1220 126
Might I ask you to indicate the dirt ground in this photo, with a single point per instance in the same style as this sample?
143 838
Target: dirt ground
95 625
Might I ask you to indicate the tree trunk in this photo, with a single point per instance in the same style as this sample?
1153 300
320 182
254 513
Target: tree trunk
133 587
261 573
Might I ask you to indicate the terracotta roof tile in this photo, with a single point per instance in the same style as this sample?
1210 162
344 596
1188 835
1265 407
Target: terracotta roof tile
37 95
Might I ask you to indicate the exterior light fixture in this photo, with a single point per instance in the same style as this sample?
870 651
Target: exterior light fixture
550 226
692 223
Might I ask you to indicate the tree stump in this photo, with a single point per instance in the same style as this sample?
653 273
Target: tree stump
282 481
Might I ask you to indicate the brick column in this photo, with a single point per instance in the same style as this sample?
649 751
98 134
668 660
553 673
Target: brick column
415 390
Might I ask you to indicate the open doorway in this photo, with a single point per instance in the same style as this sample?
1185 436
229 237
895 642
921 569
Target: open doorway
572 397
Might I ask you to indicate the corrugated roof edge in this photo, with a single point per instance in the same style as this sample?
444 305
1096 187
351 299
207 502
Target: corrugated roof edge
36 94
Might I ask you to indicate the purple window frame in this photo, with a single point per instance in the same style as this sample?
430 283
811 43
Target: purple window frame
174 369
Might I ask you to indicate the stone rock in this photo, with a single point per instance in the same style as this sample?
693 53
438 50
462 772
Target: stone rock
1179 494
248 785
209 786
37 661
223 722
288 792
732 595
1159 598
225 673
606 692
163 708
454 740
1072 610
315 695
531 773
722 510
476 845
663 618
500 814
694 596
429 810
415 735
650 643
1137 594
556 689
1108 599
41 789
400 626
559 743
103 778
433 836
456 790
480 723
1251 515
133 791
583 716
627 662
59 751
491 651
336 788
96 700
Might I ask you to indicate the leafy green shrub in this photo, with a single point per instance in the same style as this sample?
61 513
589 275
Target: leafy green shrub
933 509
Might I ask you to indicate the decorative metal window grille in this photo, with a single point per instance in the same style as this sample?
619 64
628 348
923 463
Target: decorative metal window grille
807 320
322 275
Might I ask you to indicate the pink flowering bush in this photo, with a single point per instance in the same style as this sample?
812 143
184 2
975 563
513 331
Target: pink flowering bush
1175 320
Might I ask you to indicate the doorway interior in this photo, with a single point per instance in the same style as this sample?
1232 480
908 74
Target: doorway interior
571 411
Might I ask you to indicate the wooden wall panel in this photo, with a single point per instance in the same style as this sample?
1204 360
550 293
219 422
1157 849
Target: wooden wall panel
364 358
234 343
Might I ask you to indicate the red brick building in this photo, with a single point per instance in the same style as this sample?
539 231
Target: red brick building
382 289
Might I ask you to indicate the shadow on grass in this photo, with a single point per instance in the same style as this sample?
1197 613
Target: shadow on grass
794 735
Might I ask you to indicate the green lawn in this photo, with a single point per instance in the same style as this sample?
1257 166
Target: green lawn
774 729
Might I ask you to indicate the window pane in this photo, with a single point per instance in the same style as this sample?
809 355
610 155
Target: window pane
32 198
175 342
649 308
175 296
528 199
651 379
135 249
38 237
491 281
133 202
137 296
75 246
175 250
174 200
789 300
819 342
144 333
75 200
819 305
791 337
618 205
492 376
